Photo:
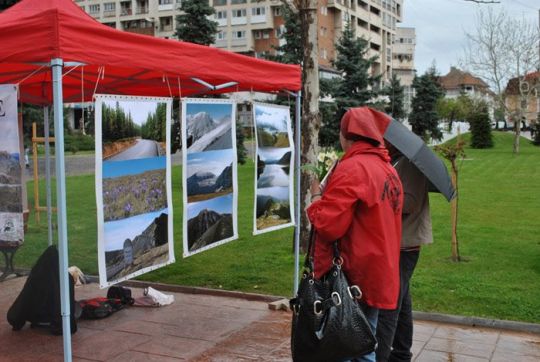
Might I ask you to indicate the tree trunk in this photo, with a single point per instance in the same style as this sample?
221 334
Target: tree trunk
455 243
517 135
310 105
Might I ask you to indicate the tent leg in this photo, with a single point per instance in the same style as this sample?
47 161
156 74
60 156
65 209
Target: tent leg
57 65
297 154
48 173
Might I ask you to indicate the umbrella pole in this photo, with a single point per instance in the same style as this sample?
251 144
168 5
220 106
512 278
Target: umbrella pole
298 114
57 66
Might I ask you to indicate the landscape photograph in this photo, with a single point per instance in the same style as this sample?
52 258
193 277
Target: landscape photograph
273 167
133 129
272 207
209 221
135 210
208 126
11 205
134 187
209 174
272 124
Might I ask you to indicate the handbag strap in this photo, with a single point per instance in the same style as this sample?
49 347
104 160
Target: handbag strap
309 260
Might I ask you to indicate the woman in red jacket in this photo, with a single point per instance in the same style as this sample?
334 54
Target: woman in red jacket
361 207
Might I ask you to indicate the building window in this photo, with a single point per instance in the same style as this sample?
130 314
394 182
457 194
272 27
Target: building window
257 34
109 7
323 31
239 34
233 2
220 2
280 31
165 2
324 53
222 14
258 11
266 34
239 13
277 11
93 9
324 10
221 35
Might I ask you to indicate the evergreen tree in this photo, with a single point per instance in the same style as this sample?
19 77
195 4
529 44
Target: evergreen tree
291 52
424 118
480 124
395 93
354 89
194 25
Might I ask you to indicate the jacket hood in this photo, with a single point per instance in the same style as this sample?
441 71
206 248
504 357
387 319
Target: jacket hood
365 122
363 147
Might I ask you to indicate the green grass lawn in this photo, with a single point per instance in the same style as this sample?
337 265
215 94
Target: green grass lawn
498 232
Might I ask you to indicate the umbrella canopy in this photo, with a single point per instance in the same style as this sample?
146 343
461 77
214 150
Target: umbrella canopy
112 61
376 123
414 148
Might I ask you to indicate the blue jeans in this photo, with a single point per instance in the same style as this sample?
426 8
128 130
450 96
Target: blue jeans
371 316
395 327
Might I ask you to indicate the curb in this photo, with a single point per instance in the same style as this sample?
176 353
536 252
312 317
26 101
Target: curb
478 322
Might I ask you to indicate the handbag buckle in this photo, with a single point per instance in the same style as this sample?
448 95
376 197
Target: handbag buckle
336 298
296 308
317 311
354 292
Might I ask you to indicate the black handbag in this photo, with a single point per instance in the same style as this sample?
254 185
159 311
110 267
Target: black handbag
328 324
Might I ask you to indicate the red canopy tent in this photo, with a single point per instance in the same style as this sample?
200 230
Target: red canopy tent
36 31
57 53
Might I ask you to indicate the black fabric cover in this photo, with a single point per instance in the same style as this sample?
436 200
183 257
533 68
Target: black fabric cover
39 300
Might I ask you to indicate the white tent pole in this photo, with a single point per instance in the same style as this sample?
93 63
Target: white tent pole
57 66
48 173
297 154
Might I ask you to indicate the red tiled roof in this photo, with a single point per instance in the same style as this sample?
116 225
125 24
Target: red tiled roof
456 79
513 84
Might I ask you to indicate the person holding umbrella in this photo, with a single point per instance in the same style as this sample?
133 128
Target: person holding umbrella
395 327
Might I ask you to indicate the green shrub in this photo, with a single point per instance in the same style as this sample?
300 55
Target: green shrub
79 142
481 136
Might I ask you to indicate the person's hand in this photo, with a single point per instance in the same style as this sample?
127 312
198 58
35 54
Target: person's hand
315 189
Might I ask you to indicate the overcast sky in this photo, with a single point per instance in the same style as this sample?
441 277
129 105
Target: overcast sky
441 26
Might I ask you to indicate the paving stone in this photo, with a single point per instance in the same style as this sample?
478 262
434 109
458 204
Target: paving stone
435 356
460 347
470 335
174 347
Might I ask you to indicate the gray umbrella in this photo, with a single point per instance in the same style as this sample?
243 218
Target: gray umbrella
414 148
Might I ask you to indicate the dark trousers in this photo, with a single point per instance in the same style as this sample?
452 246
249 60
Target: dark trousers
395 327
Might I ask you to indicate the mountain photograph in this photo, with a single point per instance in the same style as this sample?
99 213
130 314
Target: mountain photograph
209 222
208 126
273 166
272 125
272 207
209 174
143 244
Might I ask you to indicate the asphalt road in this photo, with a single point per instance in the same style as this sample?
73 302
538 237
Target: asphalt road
142 149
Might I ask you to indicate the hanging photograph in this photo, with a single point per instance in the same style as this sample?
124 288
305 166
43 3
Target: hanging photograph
209 174
133 186
274 176
11 204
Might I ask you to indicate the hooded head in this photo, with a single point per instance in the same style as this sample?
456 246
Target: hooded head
363 123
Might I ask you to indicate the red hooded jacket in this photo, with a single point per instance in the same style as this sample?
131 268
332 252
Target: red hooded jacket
361 207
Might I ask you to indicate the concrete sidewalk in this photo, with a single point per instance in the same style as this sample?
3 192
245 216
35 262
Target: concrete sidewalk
212 328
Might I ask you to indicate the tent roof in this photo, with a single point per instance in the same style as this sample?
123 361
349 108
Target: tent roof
116 62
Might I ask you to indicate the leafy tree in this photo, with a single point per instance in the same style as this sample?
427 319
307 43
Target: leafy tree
395 93
194 25
454 109
354 89
480 123
424 118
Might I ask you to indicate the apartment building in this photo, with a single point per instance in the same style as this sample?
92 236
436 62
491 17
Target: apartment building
403 62
254 26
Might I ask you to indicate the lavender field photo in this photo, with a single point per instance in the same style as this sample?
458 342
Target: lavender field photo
208 126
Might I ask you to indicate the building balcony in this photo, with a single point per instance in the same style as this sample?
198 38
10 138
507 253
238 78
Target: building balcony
109 14
126 12
166 28
239 20
142 10
144 31
165 7
221 22
257 19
